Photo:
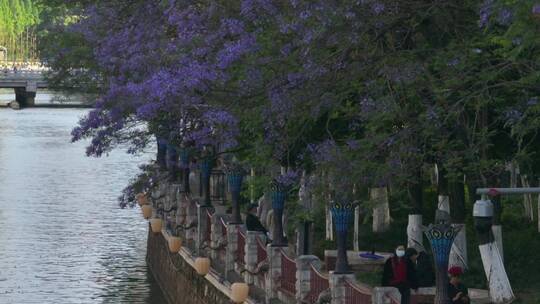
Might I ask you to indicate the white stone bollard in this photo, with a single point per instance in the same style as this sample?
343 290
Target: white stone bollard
338 288
274 272
303 275
251 255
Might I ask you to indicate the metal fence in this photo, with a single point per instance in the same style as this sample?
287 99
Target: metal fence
317 284
241 250
288 274
355 294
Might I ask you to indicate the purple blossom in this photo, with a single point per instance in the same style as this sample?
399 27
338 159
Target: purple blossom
536 9
486 9
532 101
288 179
505 16
378 8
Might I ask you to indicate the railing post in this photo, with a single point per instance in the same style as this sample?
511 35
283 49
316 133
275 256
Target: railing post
303 275
232 246
383 295
203 226
274 272
191 219
251 255
338 287
216 236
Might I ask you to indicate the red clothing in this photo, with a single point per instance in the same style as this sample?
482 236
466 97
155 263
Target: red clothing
399 267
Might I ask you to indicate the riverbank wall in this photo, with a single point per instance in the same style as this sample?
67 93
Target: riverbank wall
178 279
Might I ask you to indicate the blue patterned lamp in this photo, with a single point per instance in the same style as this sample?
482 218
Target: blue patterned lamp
341 216
172 161
184 154
162 152
441 237
278 195
235 177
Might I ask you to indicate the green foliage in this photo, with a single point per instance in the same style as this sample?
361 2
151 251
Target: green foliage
18 21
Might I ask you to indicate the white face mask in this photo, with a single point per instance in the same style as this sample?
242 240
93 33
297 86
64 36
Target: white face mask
400 253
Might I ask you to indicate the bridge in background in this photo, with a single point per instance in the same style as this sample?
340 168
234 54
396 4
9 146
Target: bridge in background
25 83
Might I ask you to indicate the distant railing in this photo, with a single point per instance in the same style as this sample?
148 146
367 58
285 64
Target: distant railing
288 274
208 235
262 255
317 284
241 250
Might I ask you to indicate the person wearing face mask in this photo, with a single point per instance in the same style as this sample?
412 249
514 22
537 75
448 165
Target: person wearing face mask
399 271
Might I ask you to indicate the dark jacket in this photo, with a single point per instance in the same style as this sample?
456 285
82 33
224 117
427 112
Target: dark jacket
454 290
388 274
254 224
424 270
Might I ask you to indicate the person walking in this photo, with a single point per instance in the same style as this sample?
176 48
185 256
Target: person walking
399 271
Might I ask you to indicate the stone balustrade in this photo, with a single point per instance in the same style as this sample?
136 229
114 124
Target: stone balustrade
234 250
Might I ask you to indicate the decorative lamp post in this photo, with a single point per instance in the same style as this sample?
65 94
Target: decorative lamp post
441 236
175 243
279 195
172 161
141 199
239 292
206 165
184 157
341 215
235 176
161 152
202 265
156 224
146 211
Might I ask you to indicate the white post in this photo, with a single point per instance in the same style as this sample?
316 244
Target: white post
415 235
381 211
500 290
329 225
458 253
444 203
356 244
497 236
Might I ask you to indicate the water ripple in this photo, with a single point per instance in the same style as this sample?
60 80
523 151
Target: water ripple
63 238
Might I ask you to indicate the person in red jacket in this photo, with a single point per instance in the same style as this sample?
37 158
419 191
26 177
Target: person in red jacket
457 291
399 272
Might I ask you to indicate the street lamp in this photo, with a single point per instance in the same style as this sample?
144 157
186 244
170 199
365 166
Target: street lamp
161 152
235 176
239 292
441 235
156 224
175 243
341 215
172 161
202 265
184 157
146 211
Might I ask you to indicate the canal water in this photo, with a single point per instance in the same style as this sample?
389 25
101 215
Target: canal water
63 236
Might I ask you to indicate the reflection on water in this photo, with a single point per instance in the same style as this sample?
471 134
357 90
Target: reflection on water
43 96
63 238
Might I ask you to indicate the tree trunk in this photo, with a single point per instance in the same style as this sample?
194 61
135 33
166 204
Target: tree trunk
527 200
414 228
442 190
381 211
458 253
